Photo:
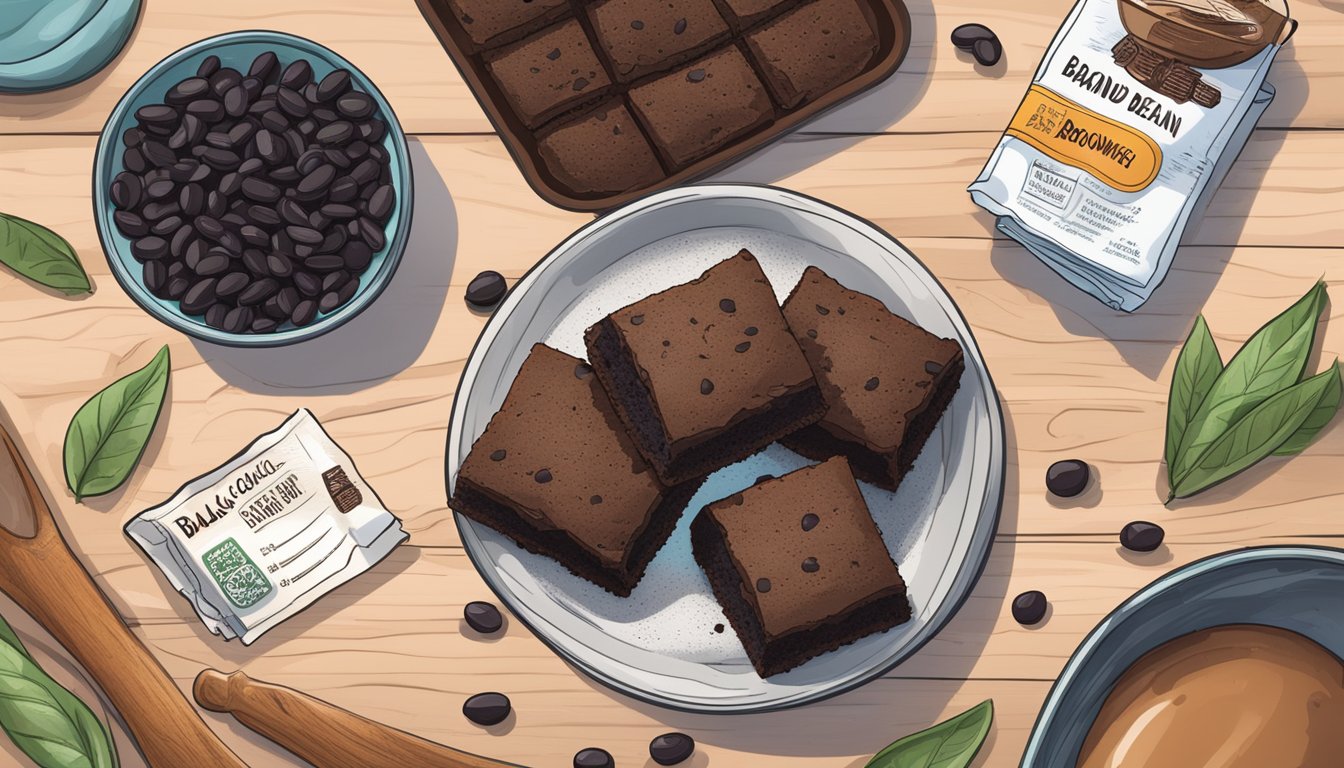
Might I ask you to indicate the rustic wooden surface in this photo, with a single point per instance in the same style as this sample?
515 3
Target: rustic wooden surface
1076 380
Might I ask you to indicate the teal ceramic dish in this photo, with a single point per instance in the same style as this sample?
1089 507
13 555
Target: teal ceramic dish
50 44
1300 589
237 49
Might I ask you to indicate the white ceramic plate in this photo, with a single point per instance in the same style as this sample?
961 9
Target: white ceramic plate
660 644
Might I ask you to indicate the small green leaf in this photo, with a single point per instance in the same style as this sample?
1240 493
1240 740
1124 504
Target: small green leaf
1257 434
41 255
950 744
109 432
1197 367
1271 360
1319 417
44 720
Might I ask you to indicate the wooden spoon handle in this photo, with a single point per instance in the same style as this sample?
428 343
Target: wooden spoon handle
323 734
45 579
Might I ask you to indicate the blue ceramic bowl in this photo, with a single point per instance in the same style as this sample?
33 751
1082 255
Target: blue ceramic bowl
237 49
1300 589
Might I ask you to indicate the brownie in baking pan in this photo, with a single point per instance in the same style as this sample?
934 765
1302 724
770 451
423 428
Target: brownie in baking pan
705 373
600 152
556 472
549 72
492 22
748 12
812 49
702 106
799 566
640 37
886 381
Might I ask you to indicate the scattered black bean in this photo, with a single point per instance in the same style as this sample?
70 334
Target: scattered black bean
485 290
487 708
129 224
671 748
987 51
1142 536
1067 478
592 757
1029 607
483 617
965 35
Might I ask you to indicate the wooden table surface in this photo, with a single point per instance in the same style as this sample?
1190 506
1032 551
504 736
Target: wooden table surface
1076 380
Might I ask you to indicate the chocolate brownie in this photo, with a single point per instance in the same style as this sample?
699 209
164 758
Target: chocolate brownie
799 566
706 373
811 50
545 74
710 102
491 22
601 152
748 12
555 471
886 380
645 36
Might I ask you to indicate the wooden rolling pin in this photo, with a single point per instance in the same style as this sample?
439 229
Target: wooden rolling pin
41 574
321 733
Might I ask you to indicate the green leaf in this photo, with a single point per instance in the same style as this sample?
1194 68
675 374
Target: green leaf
109 432
950 744
1257 434
41 255
1197 368
1319 417
1270 361
44 720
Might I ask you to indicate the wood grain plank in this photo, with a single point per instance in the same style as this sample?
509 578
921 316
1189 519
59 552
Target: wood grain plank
937 88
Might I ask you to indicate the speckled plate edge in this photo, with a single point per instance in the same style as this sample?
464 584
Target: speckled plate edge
105 159
973 539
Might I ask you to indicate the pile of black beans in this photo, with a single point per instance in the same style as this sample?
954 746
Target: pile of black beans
258 199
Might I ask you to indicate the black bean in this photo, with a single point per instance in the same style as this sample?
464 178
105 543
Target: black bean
343 190
221 159
291 103
373 130
355 105
223 80
263 216
218 139
372 233
185 171
158 154
298 74
191 199
130 224
256 262
195 251
324 263
286 300
209 227
275 121
166 226
281 242
356 255
1142 536
252 87
264 66
127 191
1067 478
306 126
231 284
1029 607
259 190
329 302
337 158
965 35
155 274
238 320
334 241
258 291
304 251
339 211
254 235
316 183
216 314
264 325
334 280
177 288
307 283
279 265
365 172
483 617
268 148
239 134
987 51
304 313
592 757
486 289
209 66
487 708
339 132
671 748
379 153
159 209
132 137
235 102
178 245
381 202
215 262
296 142
336 83
156 115
208 110
199 297
134 160
304 235
286 174
292 213
160 189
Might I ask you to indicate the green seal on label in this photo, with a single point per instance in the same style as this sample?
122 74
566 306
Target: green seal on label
237 576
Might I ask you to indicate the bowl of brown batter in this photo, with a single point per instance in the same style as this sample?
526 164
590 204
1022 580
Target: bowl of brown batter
1233 661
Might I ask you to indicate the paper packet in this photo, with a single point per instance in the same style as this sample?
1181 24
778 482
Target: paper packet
272 530
1135 114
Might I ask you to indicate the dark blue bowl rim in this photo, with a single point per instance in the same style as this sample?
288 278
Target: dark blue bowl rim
397 241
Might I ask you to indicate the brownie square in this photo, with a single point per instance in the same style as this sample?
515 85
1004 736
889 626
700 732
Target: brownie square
811 50
706 373
708 103
886 380
645 36
492 22
748 12
555 471
552 71
601 152
799 566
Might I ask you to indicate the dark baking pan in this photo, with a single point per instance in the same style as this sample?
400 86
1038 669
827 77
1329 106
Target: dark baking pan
891 25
